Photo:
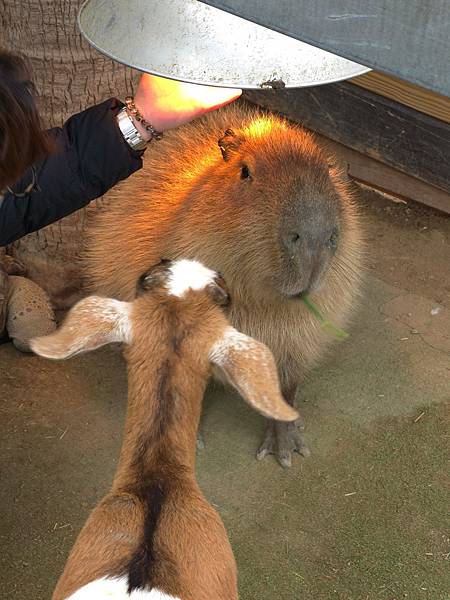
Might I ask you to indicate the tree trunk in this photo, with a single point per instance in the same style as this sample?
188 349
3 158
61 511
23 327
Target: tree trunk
69 76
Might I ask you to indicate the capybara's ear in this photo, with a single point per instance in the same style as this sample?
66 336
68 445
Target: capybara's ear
91 323
249 367
229 143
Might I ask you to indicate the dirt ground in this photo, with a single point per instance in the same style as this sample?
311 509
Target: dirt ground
364 518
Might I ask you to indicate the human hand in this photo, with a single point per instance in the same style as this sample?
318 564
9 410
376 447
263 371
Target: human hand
166 103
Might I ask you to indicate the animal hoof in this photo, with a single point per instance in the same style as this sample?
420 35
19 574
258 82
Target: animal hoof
285 459
281 440
200 441
300 423
29 313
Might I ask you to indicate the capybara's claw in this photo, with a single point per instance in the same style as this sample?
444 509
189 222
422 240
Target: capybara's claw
281 440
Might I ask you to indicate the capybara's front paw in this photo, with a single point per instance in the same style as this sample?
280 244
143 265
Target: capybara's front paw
281 440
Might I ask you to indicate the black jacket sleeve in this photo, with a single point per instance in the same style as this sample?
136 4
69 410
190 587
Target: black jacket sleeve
91 157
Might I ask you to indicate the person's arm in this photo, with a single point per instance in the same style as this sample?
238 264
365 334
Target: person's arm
91 157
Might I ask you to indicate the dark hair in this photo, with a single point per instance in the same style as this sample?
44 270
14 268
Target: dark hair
22 139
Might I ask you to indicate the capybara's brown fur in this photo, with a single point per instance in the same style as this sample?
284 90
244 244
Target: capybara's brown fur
266 209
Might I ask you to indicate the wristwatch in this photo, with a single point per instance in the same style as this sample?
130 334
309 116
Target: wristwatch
129 131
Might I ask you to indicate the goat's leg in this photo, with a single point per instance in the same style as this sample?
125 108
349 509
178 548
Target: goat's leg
284 438
105 546
200 438
214 383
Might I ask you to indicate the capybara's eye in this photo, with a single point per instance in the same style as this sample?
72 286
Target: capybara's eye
333 239
245 172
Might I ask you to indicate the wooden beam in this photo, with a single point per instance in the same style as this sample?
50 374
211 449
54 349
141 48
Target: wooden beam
378 176
387 131
406 93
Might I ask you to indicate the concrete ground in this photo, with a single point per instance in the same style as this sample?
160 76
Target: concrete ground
364 518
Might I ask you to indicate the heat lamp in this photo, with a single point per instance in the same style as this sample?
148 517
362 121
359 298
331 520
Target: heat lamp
197 43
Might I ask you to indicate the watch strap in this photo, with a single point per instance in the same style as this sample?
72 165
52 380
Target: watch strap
129 131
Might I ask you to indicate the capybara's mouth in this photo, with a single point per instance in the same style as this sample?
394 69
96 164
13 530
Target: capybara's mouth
298 296
295 288
294 295
298 287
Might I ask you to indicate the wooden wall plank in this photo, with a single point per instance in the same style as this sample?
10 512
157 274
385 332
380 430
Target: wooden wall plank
379 176
385 130
406 93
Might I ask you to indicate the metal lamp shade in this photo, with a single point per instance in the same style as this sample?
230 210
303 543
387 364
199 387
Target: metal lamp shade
191 41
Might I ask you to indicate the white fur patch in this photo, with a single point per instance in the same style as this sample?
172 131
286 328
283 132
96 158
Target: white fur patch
109 588
250 368
188 275
90 324
232 339
114 311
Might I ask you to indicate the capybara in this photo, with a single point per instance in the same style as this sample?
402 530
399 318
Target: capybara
255 198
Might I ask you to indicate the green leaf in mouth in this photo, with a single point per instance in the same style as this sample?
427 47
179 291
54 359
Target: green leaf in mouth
326 324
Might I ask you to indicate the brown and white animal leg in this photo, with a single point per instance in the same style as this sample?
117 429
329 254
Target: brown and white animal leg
284 438
200 437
